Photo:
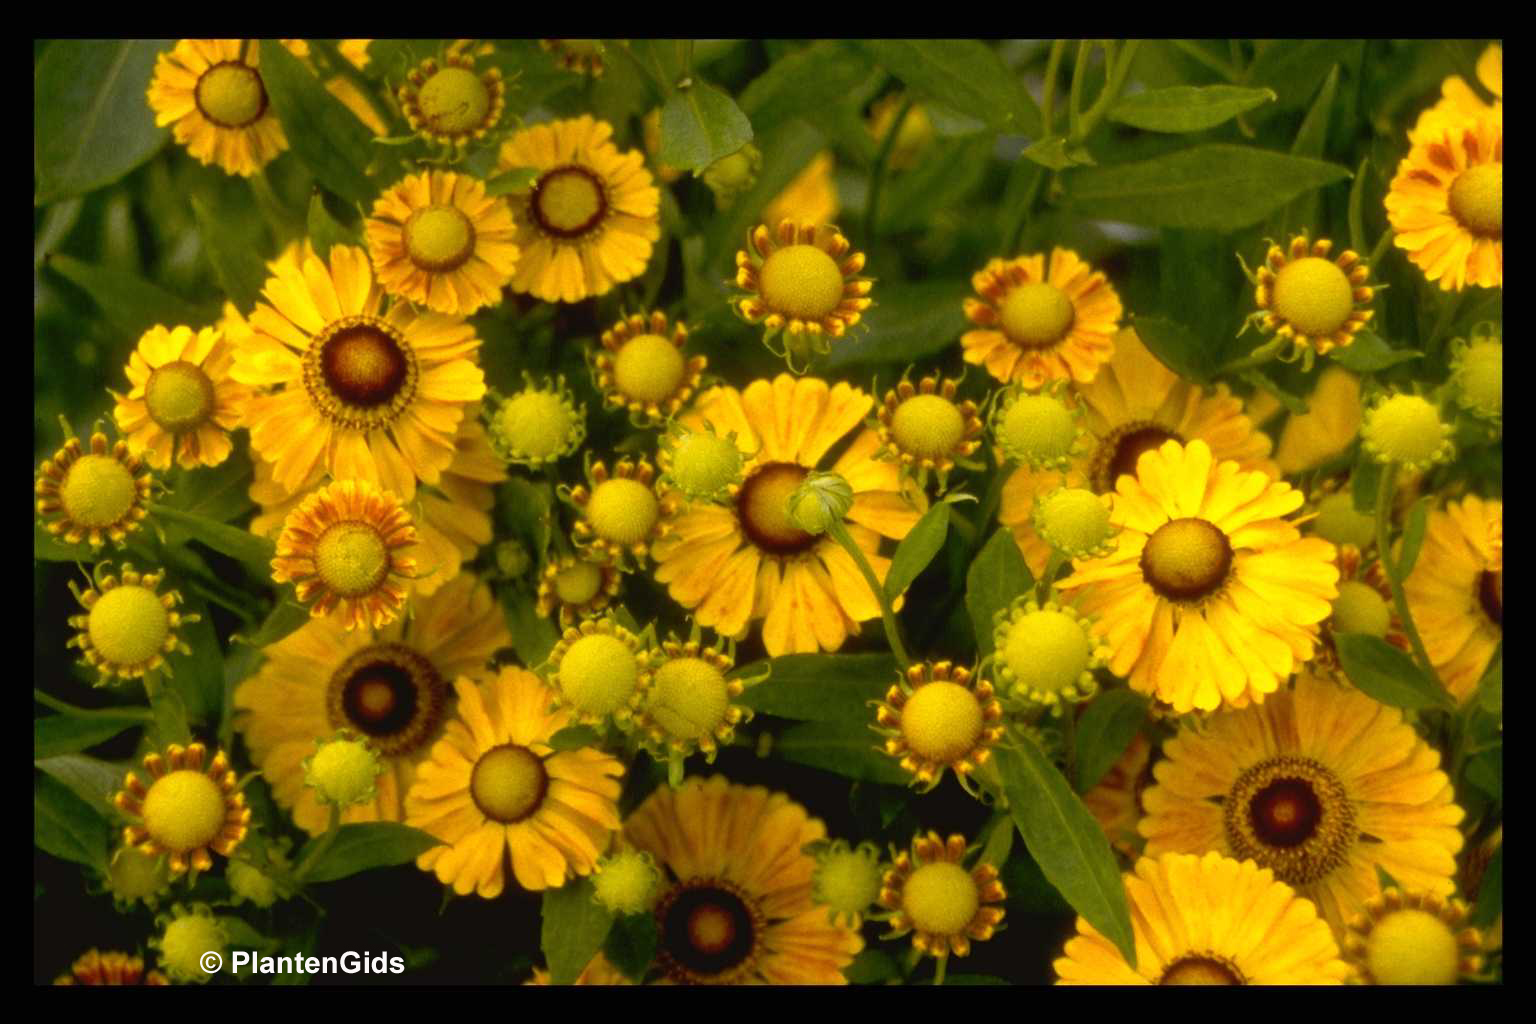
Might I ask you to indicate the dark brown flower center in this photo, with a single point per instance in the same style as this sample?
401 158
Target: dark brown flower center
391 694
763 508
1187 559
1490 594
708 931
569 201
1116 455
360 372
1291 815
1202 969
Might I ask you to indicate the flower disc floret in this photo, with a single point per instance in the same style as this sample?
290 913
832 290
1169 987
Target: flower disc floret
640 367
1476 200
690 703
95 497
802 280
449 103
1047 654
599 671
939 717
702 464
1339 522
1412 938
577 588
620 512
128 627
186 810
926 429
1407 429
250 884
933 894
137 877
1360 609
846 880
342 771
536 426
186 938
1310 303
1478 372
1075 522
627 882
1039 431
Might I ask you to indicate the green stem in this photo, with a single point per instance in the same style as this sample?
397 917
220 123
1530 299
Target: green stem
993 498
1048 101
877 173
840 533
332 830
938 970
1045 586
1075 94
1118 68
143 714
1384 552
1382 245
1266 353
1069 740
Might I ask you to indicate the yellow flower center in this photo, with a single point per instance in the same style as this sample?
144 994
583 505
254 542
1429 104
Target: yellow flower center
184 811
578 583
1477 200
179 396
928 426
1405 428
598 674
128 625
137 876
623 511
801 281
508 783
704 464
941 898
763 507
1200 970
1187 559
648 368
628 883
185 941
1047 651
568 201
249 883
690 699
1291 815
98 491
1074 520
534 423
1412 947
343 771
1480 379
1313 296
1037 314
454 101
847 881
1339 523
439 238
1037 429
1360 609
230 94
941 722
351 559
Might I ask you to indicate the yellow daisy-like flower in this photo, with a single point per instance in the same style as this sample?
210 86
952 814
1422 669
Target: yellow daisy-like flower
92 497
211 91
737 908
689 701
598 670
1446 204
1115 801
369 395
128 628
930 893
1212 596
1457 97
1314 303
187 810
590 219
746 560
448 103
342 545
493 786
1046 655
621 513
437 239
577 588
925 429
1328 427
641 368
938 718
1040 321
97 968
583 56
811 198
391 687
803 279
183 402
1412 939
1456 591
1208 921
1320 784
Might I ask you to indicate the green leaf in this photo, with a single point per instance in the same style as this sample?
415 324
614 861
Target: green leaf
1357 207
1176 346
326 136
515 180
48 548
1387 674
999 840
1312 137
1413 538
199 676
1369 353
631 944
844 748
254 552
823 687
917 549
170 724
68 734
1215 186
965 74
1186 108
533 636
1294 404
1490 892
1490 691
287 617
91 780
948 173
1365 482
574 738
325 229
91 123
804 83
997 576
1486 772
365 846
872 967
1028 890
1104 732
1066 842
219 493
914 322
129 303
66 826
1295 68
575 926
700 125
236 266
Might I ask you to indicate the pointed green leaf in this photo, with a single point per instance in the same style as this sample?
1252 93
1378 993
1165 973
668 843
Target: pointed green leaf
823 687
850 749
287 617
66 826
365 846
130 303
919 320
92 780
631 944
1368 353
325 229
1413 538
1186 108
1387 674
255 553
514 180
700 125
1490 892
917 549
965 74
1176 346
997 576
804 83
574 738
69 734
236 266
323 133
1105 731
575 926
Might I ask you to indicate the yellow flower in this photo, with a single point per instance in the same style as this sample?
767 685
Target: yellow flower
183 402
641 368
214 95
1039 321
925 429
590 219
1413 939
1327 428
1208 921
98 968
1456 591
128 628
801 281
598 670
578 588
370 395
930 892
597 972
186 810
92 497
1212 596
342 546
746 560
690 703
1446 204
811 198
1320 784
737 907
437 239
1457 96
391 687
537 426
621 513
492 786
1314 303
938 718
447 103
356 51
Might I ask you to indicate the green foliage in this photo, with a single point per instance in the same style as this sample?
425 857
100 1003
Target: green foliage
963 74
917 549
324 134
66 826
365 846
996 577
1187 108
1104 732
824 687
1388 674
575 927
700 125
